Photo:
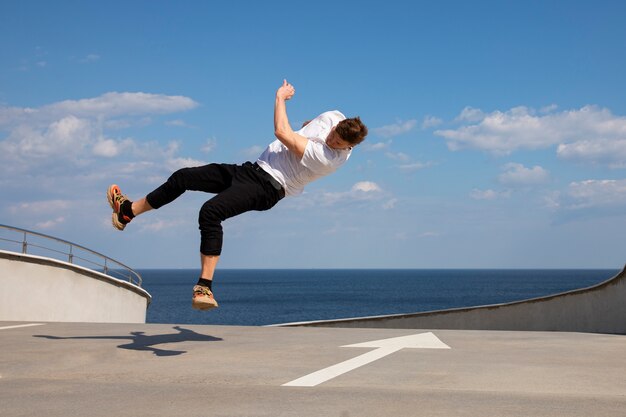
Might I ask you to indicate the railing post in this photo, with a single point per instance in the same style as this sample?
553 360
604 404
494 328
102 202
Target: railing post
106 269
71 255
24 244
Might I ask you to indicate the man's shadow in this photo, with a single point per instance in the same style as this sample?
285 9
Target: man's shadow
141 341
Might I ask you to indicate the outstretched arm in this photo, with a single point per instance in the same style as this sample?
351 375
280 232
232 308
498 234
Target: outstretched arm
283 131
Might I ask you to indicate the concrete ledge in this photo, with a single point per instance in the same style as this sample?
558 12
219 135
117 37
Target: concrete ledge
45 289
597 309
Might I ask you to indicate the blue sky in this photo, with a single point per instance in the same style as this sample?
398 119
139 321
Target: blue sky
497 128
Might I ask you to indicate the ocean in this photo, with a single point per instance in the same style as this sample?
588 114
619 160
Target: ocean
254 297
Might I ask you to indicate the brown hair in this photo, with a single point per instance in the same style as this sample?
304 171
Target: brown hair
352 130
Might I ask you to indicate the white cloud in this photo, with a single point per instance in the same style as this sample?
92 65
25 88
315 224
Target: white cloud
40 207
42 214
470 114
589 199
106 147
175 164
549 109
477 194
104 107
378 146
47 153
596 193
360 191
49 224
488 194
70 132
252 152
116 104
551 200
604 151
366 187
518 174
416 166
398 156
65 136
396 129
521 128
109 147
209 145
430 122
126 122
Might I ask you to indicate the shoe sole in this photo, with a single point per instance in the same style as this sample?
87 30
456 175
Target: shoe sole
115 206
203 305
116 223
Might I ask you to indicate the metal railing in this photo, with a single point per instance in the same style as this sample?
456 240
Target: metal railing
71 252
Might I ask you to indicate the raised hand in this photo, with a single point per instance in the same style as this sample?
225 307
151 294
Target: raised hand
285 91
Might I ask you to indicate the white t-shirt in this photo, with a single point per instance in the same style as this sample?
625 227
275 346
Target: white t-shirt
318 159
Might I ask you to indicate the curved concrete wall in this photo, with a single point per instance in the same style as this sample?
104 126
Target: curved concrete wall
34 288
597 309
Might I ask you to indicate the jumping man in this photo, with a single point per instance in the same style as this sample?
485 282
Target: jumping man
319 148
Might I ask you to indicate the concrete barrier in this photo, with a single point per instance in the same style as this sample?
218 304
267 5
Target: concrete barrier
34 288
597 309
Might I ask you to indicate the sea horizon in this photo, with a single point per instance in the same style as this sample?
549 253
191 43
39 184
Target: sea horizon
271 296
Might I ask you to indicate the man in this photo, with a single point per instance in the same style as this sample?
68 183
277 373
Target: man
319 148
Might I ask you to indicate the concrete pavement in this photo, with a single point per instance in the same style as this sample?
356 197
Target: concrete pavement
86 369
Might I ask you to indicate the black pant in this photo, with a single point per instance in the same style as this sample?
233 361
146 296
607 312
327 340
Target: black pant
239 188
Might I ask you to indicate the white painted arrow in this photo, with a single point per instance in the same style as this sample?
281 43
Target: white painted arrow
384 347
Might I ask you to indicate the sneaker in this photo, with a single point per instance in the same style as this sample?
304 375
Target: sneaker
116 198
203 298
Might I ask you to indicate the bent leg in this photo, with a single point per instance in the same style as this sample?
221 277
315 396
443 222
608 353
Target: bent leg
246 193
224 205
229 203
